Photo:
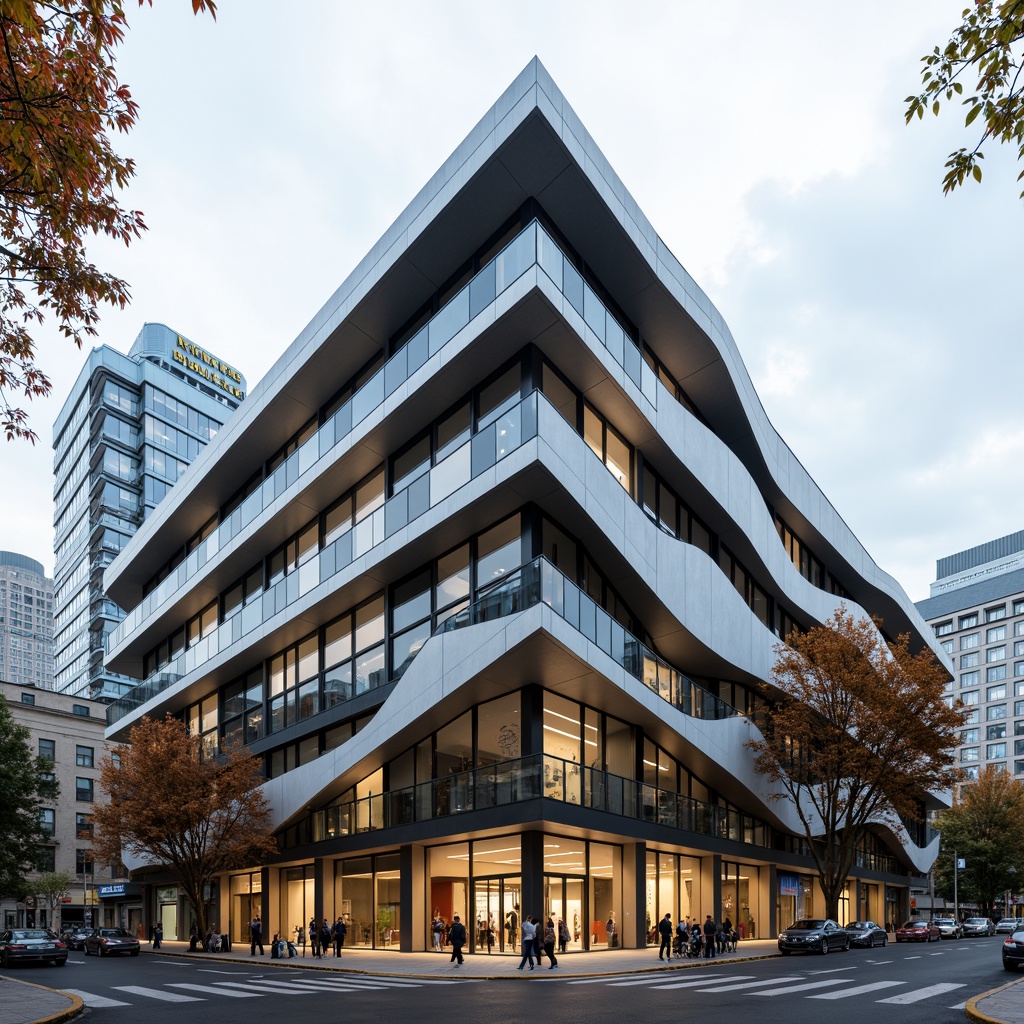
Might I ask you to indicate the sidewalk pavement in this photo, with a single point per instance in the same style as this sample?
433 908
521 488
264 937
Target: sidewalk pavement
24 1002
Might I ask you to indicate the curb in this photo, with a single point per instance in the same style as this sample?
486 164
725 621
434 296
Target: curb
974 1014
76 1007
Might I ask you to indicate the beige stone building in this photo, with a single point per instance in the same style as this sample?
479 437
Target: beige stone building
70 731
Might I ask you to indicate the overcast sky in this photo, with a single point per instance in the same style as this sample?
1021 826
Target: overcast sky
764 142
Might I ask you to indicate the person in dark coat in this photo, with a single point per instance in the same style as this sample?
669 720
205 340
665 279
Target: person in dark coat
709 937
255 935
457 937
158 934
665 931
338 931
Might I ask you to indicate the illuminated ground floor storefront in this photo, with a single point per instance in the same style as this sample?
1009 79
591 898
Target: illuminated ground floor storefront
610 894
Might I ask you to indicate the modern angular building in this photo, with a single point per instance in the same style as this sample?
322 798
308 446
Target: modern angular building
488 570
26 621
129 429
976 609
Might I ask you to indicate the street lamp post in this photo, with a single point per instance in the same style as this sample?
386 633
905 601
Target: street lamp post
1008 894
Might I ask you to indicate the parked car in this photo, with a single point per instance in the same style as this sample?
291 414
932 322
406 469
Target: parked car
74 938
1013 948
949 928
978 926
813 935
105 941
1008 925
32 945
918 931
866 933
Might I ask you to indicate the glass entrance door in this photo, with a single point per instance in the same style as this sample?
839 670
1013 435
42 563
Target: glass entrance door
497 915
564 901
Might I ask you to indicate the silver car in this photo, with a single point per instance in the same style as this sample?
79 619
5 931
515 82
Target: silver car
949 928
974 926
1008 925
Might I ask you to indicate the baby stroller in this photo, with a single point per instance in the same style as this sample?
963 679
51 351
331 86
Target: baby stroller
680 943
696 944
732 941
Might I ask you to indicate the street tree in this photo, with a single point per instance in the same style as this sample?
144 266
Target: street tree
52 888
60 179
170 805
854 731
28 785
985 828
989 44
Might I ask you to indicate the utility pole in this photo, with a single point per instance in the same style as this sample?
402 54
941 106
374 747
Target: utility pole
956 897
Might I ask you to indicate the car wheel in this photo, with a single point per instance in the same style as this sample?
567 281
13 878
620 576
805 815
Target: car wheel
1007 966
102 951
824 945
5 960
134 952
59 963
885 941
785 952
846 945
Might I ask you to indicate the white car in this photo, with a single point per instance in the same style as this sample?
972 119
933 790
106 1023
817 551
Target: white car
1008 925
949 928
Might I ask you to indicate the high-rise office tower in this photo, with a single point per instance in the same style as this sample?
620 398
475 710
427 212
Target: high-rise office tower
26 621
129 429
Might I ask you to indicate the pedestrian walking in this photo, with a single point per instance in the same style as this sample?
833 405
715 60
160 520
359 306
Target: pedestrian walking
158 934
255 935
457 937
437 930
314 938
563 935
549 944
529 932
665 931
325 938
338 931
709 937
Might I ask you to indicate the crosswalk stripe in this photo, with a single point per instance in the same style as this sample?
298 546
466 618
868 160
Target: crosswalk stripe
729 986
702 981
312 985
213 990
280 990
604 981
330 983
922 993
802 988
157 993
857 990
93 1000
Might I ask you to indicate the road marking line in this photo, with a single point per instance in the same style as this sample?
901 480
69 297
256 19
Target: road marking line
753 984
212 989
801 988
835 970
91 999
157 993
268 988
694 984
604 980
921 993
857 990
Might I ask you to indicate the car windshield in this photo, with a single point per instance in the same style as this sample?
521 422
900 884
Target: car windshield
915 924
31 933
808 924
860 926
976 920
944 920
114 933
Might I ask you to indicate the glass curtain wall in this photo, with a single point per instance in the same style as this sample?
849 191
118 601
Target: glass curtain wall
296 902
740 886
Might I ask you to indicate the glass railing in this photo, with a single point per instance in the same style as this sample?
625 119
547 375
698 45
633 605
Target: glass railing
533 247
528 778
482 451
539 582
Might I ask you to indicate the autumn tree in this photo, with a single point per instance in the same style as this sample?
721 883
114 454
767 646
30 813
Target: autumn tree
854 731
988 44
195 816
28 783
60 179
984 827
52 887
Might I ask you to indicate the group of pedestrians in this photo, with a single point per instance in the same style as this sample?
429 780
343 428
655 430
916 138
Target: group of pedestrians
537 937
322 938
692 939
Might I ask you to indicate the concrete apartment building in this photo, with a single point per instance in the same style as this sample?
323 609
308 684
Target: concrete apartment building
70 731
26 621
976 610
488 570
129 429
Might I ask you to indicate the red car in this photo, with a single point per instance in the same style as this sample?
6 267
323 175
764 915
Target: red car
918 931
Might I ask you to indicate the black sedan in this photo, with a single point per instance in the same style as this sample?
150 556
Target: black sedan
74 938
866 933
813 935
106 941
32 945
1013 950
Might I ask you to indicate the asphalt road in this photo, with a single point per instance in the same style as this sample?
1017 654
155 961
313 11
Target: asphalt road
907 983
